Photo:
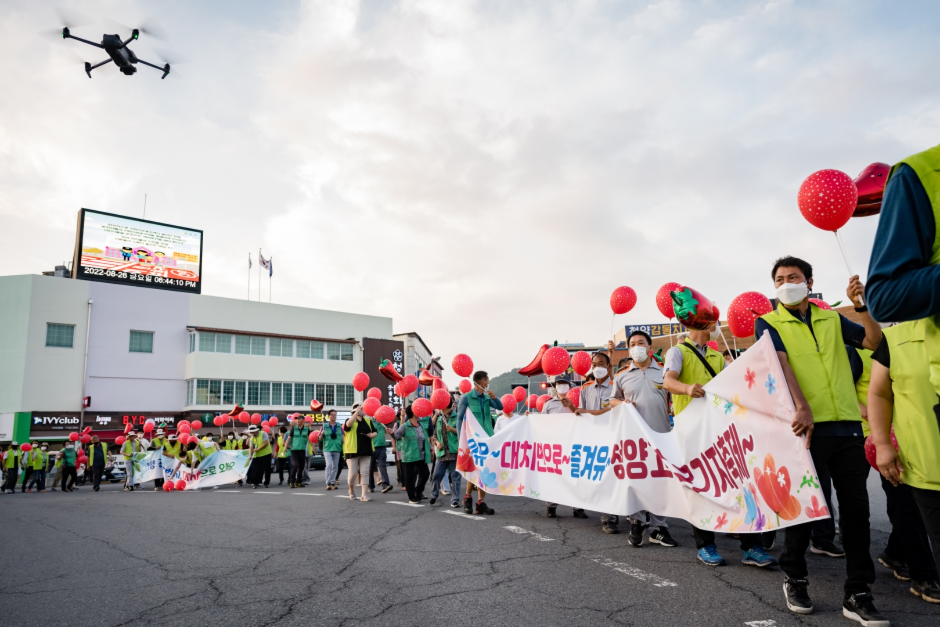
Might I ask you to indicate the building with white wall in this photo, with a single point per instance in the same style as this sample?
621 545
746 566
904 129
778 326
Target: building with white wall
154 353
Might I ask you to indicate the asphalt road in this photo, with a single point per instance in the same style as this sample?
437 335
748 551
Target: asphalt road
302 557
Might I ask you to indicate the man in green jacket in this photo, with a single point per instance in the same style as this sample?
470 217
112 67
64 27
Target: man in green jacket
67 455
810 344
296 442
444 443
480 401
331 443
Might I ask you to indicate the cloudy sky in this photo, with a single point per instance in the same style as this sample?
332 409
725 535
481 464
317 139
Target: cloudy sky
485 173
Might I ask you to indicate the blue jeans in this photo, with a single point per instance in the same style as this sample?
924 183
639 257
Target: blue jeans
440 469
332 465
39 479
378 465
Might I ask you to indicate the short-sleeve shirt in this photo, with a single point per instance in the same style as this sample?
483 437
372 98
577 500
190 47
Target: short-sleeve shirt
596 395
645 388
554 406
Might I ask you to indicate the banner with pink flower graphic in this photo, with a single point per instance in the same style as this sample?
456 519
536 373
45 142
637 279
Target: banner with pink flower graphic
731 464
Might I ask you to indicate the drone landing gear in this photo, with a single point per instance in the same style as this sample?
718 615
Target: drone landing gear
89 67
165 68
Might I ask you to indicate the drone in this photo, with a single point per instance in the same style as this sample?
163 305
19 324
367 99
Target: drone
117 49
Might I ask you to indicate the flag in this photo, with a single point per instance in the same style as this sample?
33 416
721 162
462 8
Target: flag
266 263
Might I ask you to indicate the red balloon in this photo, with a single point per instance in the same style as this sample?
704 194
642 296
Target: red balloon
168 486
464 386
256 419
360 381
574 395
314 436
86 439
272 421
87 430
827 199
244 417
181 423
622 300
217 421
440 399
385 415
712 344
397 390
871 189
370 406
664 300
535 366
509 403
183 428
81 461
693 309
426 378
26 447
462 365
120 440
555 361
438 384
374 393
422 407
871 452
197 424
265 423
744 310
581 362
266 428
533 400
180 485
820 303
73 437
540 403
408 384
519 393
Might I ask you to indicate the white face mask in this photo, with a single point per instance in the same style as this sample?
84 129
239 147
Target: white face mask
714 334
68 446
43 448
562 388
792 293
639 353
600 373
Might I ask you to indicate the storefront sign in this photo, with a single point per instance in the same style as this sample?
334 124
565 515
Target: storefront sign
45 424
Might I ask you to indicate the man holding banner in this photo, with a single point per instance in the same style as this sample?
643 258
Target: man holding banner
810 344
480 400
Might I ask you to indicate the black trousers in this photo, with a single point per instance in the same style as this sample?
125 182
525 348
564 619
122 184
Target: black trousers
704 537
27 473
10 476
845 457
928 502
69 476
297 461
908 540
825 529
96 472
416 478
284 462
260 470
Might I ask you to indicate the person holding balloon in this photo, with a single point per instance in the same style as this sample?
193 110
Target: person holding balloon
30 464
357 450
259 452
411 440
282 455
480 400
158 442
901 396
331 443
130 448
67 456
98 458
810 343
445 443
296 442
559 404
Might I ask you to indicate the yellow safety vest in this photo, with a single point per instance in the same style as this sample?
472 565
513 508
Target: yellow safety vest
693 371
351 443
261 447
861 386
91 452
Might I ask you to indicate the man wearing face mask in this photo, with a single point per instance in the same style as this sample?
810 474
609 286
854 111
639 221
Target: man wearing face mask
559 404
810 344
97 459
596 400
480 401
641 385
69 474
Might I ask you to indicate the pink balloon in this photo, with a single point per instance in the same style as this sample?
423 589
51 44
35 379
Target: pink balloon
465 386
120 440
73 437
197 425
244 417
314 436
555 361
462 365
385 415
820 303
180 485
370 406
217 421
827 199
440 399
86 439
509 403
184 428
272 421
622 300
256 419
374 393
408 384
87 430
519 393
360 381
422 407
712 344
581 362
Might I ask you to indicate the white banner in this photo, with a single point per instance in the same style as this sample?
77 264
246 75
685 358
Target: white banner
220 468
146 466
732 463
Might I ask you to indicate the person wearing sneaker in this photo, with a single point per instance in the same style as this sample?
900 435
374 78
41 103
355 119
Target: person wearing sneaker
559 404
900 395
642 385
410 436
481 401
445 442
295 445
594 401
810 343
98 458
378 467
360 433
281 455
331 443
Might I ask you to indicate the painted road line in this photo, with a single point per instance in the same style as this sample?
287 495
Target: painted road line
232 491
531 534
761 623
307 494
463 515
636 573
404 503
269 493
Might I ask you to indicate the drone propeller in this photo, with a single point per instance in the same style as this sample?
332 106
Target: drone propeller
68 18
147 27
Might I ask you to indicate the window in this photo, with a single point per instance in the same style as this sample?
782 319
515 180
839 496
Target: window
276 394
346 352
345 395
257 345
309 393
274 347
286 398
202 392
215 392
189 392
242 345
228 392
332 351
206 342
316 350
303 349
264 396
240 392
192 342
60 335
223 343
325 393
252 392
287 348
141 342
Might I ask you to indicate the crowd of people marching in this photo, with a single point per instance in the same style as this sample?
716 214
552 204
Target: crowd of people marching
847 380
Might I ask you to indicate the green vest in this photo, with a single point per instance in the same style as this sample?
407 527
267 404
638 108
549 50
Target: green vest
12 459
408 444
861 386
261 447
133 446
821 365
67 455
299 438
351 443
281 449
481 410
926 165
380 439
693 371
91 452
172 448
328 444
451 441
36 459
915 424
157 443
232 445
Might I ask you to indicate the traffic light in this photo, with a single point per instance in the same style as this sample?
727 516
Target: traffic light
543 385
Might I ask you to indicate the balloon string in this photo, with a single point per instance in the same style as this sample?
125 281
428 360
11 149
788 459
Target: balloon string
730 352
613 319
847 264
